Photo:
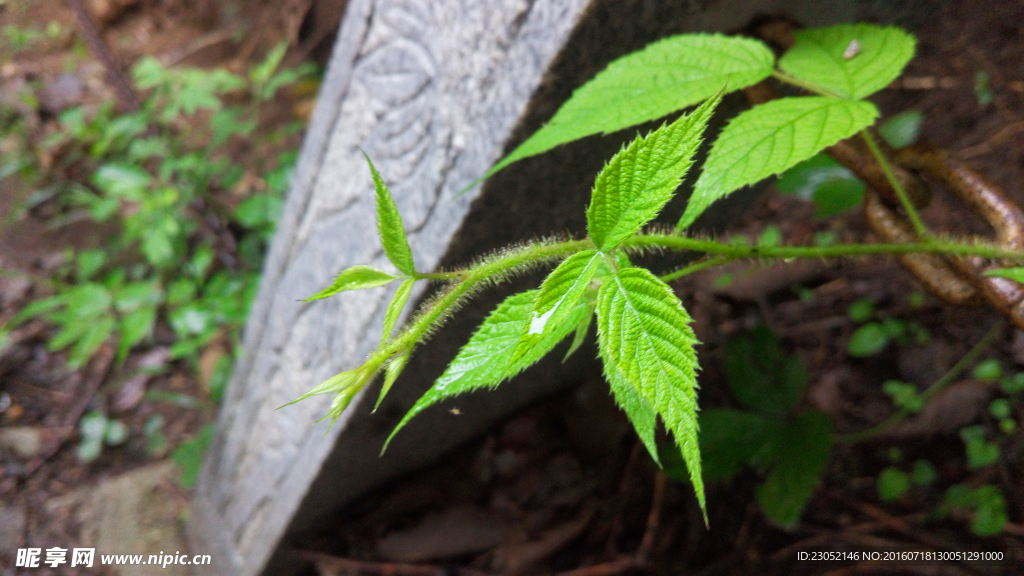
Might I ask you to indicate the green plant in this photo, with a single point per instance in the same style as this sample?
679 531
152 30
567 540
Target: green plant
189 455
985 505
644 338
96 430
158 176
791 450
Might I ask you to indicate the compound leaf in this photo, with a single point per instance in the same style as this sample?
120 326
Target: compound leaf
484 362
354 278
389 226
800 454
638 181
395 308
666 76
646 344
770 138
849 60
557 298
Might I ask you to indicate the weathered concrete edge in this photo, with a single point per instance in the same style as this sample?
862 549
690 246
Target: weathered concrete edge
206 530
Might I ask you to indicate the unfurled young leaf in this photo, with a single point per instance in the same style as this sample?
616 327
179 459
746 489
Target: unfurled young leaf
345 385
646 344
389 225
395 308
391 373
486 360
849 60
666 76
557 298
638 181
1015 274
770 138
354 278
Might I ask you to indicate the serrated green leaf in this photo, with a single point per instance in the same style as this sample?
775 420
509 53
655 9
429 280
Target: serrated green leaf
395 308
666 76
485 361
390 227
354 278
391 373
638 181
645 337
770 138
558 297
799 458
638 409
1015 274
850 60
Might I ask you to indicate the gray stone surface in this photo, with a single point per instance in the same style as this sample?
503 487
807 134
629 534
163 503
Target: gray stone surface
434 91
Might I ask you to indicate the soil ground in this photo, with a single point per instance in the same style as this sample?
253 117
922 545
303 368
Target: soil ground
564 487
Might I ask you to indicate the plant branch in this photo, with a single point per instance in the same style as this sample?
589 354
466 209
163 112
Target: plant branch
901 192
697 267
734 251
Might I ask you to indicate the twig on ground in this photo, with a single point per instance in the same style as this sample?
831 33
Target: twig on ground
97 373
126 97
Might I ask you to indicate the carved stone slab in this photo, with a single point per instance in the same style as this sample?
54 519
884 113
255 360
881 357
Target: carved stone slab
434 91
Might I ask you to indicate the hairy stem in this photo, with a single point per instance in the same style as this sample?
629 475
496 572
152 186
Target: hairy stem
682 243
696 267
901 193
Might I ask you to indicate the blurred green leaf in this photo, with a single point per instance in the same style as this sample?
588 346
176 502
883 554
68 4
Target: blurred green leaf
799 457
832 187
902 129
760 375
868 340
892 484
189 455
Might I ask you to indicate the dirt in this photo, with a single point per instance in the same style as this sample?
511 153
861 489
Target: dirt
564 487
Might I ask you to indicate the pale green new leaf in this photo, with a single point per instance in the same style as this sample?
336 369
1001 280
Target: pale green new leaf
770 138
391 373
559 296
354 278
395 308
389 226
647 345
638 181
849 60
484 362
1015 274
666 76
